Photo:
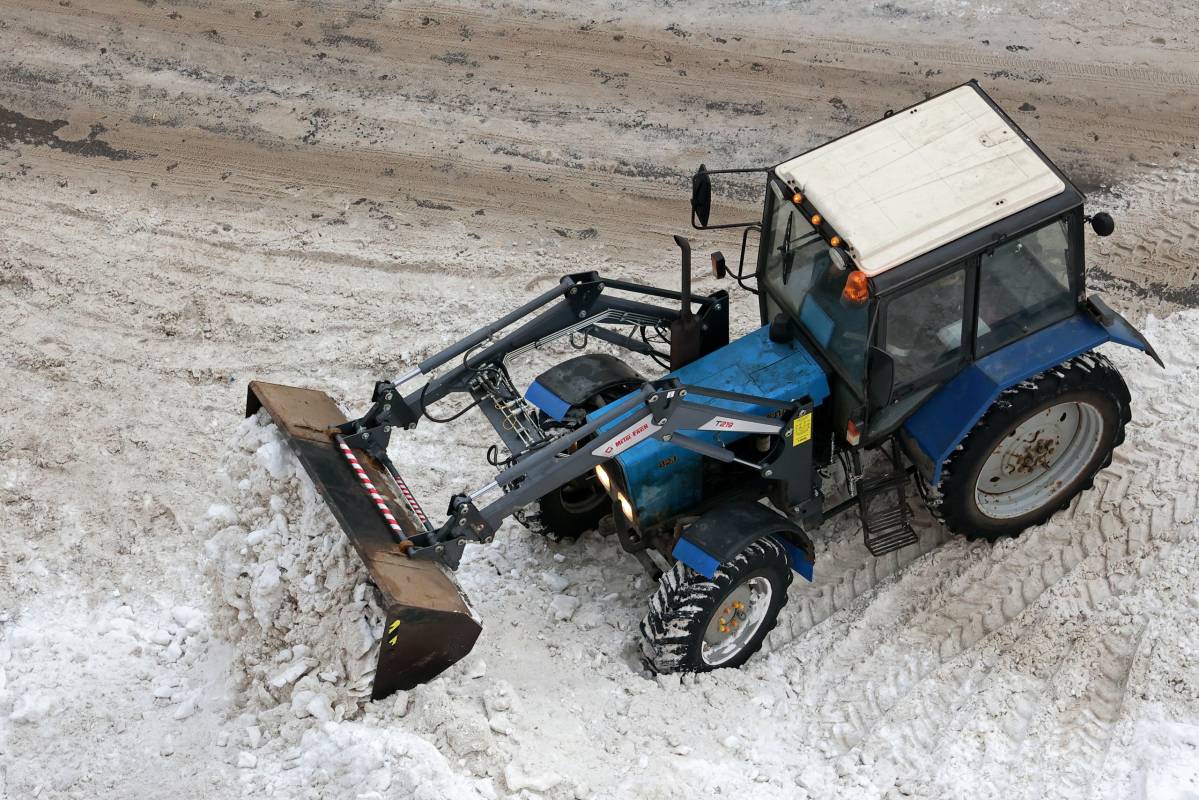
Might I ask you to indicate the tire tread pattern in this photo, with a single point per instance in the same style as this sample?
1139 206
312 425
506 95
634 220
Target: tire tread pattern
673 629
1089 370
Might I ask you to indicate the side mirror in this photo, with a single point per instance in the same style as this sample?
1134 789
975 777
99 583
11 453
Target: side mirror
701 196
1102 223
880 379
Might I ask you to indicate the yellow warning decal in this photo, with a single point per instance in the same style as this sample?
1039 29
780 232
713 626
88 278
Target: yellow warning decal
801 430
392 629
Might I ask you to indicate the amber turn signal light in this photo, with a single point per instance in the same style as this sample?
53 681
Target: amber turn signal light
857 289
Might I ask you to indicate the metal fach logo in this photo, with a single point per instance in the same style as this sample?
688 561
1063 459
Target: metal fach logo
627 438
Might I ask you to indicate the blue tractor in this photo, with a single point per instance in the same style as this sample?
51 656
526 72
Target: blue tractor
921 290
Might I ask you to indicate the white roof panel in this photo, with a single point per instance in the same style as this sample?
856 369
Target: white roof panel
921 178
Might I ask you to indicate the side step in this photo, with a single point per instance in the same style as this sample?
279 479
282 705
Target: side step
886 515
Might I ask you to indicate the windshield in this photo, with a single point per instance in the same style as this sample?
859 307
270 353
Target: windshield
803 278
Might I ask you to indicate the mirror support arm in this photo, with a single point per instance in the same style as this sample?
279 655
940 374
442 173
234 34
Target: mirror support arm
703 226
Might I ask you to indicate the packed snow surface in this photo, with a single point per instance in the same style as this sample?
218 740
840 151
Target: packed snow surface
322 194
1060 664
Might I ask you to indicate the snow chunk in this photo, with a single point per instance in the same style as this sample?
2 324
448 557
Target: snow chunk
518 779
563 606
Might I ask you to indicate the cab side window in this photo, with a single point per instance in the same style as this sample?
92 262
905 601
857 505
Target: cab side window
924 327
1023 285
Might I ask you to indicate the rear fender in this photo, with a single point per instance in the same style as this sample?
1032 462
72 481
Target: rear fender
1120 330
935 430
724 532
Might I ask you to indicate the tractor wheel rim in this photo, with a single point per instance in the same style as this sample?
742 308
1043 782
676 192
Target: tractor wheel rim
736 621
1038 458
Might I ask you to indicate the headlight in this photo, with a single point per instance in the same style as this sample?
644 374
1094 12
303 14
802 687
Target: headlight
604 480
626 507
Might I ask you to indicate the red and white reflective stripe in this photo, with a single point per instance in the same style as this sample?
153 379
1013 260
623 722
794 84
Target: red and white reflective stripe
380 503
410 499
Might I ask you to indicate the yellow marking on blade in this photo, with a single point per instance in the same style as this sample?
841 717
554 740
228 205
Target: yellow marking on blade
392 640
392 627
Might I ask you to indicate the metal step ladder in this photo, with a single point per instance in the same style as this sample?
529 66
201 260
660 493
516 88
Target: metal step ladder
883 507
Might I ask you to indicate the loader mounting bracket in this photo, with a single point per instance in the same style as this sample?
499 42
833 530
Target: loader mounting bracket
445 545
389 410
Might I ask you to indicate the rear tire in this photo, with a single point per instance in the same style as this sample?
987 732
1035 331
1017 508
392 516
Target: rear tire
694 624
1038 447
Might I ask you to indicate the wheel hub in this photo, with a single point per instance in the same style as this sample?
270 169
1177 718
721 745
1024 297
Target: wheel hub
1038 458
736 621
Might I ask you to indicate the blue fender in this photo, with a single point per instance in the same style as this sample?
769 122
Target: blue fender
950 413
723 532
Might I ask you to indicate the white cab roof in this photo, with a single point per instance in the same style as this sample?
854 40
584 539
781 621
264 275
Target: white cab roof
920 178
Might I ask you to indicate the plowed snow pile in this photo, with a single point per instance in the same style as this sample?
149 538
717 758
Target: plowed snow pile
293 596
1062 664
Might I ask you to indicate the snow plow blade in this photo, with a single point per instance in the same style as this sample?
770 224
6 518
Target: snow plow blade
429 625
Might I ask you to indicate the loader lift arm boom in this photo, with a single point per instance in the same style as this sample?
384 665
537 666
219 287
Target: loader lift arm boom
659 410
582 307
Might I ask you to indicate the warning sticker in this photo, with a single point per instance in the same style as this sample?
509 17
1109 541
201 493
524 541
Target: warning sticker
801 430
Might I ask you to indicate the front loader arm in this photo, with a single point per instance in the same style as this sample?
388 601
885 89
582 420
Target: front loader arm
659 410
581 306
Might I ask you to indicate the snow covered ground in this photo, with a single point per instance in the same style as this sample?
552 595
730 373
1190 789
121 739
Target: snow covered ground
180 617
1061 664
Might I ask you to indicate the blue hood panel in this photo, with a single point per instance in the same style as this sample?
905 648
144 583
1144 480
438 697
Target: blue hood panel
662 479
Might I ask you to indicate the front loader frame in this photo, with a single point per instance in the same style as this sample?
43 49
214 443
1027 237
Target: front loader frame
541 462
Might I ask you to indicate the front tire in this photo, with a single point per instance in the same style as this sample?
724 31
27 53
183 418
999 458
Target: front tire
697 624
1038 447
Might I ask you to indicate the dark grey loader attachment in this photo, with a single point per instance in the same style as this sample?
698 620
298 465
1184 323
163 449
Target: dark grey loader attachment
429 624
659 410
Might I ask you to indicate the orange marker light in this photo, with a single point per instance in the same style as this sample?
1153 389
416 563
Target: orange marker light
797 198
852 434
835 241
857 289
817 219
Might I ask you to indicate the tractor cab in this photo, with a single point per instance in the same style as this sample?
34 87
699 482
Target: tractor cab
905 251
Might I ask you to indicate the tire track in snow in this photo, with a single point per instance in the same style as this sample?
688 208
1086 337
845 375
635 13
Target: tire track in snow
1091 550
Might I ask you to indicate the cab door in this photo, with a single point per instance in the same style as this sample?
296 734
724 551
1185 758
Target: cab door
927 331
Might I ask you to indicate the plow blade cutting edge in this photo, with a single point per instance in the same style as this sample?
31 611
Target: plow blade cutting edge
429 624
